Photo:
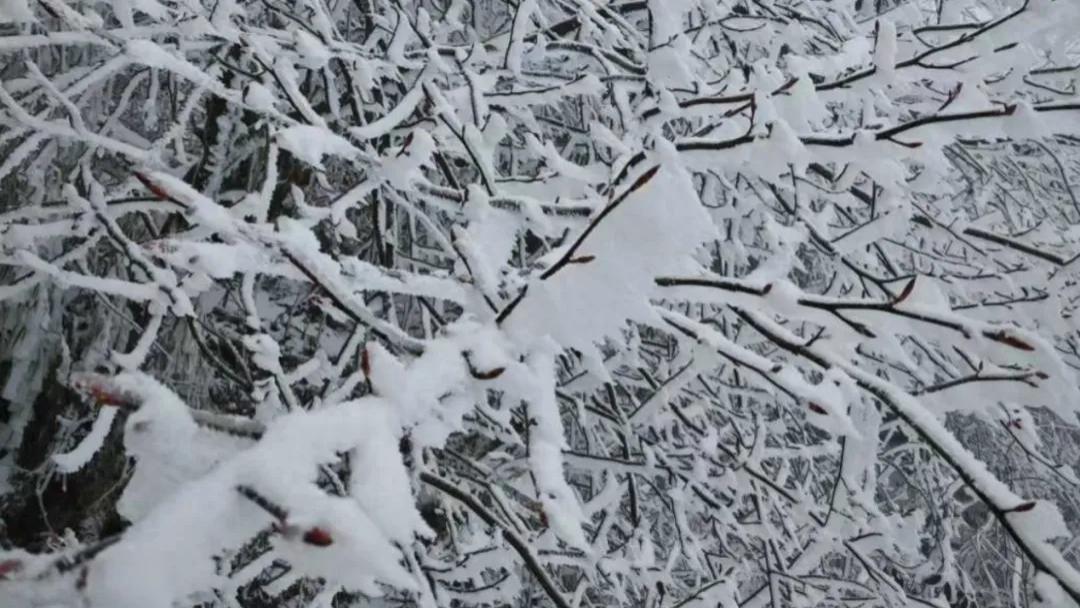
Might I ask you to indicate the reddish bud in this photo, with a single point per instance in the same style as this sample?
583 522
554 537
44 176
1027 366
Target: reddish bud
102 393
365 363
9 566
817 409
644 179
585 259
405 144
490 374
318 537
1009 340
155 189
103 396
1023 507
910 287
922 221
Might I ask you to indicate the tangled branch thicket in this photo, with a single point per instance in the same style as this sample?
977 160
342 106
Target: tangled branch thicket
573 303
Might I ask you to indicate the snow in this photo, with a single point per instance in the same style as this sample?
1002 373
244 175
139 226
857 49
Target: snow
265 352
380 483
310 144
15 11
885 51
394 117
310 49
161 435
70 462
585 302
152 55
523 15
546 443
1048 592
135 359
259 97
667 65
